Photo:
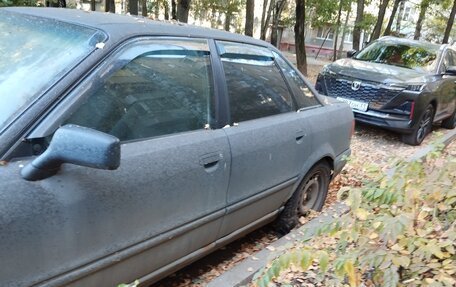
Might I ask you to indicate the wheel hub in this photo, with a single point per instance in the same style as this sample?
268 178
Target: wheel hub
309 194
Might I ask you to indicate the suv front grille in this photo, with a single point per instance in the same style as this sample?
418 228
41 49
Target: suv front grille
369 92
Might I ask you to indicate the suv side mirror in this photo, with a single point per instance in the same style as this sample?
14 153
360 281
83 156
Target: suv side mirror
451 71
77 145
351 53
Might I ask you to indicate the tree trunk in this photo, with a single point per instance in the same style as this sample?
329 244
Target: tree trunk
166 6
92 5
419 24
133 7
214 18
249 15
381 15
449 26
336 36
156 8
227 24
112 6
391 19
173 10
399 17
299 30
264 29
344 32
279 5
183 6
144 8
263 18
357 29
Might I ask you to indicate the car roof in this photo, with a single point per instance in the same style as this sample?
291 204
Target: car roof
119 27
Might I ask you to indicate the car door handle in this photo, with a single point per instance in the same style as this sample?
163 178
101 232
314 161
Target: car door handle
210 161
300 136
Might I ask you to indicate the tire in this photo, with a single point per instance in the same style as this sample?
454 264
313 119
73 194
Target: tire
422 128
310 194
450 123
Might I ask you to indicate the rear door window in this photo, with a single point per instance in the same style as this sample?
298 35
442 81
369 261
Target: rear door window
255 84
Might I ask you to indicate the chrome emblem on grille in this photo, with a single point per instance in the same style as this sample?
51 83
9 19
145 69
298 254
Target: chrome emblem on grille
356 85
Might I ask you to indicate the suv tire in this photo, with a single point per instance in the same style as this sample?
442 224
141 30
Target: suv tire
422 127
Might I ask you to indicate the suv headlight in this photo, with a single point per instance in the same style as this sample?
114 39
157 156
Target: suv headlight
326 70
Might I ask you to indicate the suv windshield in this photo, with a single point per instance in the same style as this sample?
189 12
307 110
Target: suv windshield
34 53
408 55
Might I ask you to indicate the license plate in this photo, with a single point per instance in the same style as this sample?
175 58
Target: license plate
356 105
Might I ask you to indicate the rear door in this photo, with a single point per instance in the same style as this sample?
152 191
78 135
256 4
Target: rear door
269 140
165 201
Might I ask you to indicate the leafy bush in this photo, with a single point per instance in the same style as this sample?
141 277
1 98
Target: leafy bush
134 284
6 3
400 230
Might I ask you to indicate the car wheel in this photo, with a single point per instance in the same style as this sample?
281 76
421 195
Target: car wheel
422 128
310 194
450 123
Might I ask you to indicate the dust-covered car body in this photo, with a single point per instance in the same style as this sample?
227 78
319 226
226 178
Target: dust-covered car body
130 148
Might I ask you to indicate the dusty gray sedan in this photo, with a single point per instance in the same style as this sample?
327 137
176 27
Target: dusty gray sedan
130 148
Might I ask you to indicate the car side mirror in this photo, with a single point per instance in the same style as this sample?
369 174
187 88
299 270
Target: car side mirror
351 53
451 71
76 145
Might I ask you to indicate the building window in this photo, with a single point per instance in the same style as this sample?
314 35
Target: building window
348 37
407 14
323 31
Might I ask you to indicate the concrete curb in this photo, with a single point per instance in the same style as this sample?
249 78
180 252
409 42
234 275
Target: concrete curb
242 273
445 140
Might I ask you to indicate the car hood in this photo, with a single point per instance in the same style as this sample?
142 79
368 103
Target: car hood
376 72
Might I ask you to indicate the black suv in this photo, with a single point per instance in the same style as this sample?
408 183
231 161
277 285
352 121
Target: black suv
398 84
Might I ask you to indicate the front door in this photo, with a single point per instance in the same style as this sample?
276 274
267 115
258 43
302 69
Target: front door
166 200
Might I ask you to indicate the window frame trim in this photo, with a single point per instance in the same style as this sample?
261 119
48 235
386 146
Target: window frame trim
53 117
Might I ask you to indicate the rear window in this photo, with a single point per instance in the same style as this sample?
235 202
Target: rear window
34 53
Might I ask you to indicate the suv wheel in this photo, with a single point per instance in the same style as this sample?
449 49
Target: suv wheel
311 194
450 123
422 128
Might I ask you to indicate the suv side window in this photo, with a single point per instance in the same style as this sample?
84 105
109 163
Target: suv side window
448 60
303 95
159 87
256 87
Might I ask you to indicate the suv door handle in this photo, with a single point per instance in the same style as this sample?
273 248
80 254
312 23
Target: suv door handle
210 161
300 136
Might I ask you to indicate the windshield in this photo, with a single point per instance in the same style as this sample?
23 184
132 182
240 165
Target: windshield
34 53
408 55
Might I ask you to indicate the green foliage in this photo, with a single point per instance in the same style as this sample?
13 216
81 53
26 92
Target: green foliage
322 12
368 22
400 231
134 284
201 7
436 21
212 10
6 3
